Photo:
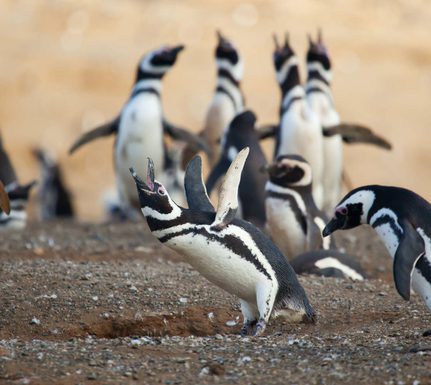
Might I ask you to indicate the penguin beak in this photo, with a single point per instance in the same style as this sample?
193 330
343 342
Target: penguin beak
174 51
336 223
142 186
150 174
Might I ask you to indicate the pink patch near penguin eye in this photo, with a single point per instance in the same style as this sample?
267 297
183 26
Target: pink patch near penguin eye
341 210
161 191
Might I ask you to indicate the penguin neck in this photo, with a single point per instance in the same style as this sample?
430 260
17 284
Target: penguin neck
385 223
292 91
229 86
150 86
318 79
301 194
158 219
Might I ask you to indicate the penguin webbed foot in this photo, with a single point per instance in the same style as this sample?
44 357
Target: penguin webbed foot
247 328
260 328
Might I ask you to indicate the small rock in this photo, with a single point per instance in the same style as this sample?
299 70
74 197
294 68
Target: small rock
183 300
230 323
92 376
35 321
95 298
133 289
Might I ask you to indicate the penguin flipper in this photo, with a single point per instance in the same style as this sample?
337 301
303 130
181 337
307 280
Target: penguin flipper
219 169
178 133
98 132
228 198
410 249
196 193
267 131
4 200
356 133
7 172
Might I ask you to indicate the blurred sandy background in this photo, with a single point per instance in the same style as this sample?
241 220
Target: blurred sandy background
68 65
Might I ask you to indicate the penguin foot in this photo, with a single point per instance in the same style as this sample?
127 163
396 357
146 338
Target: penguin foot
260 328
247 328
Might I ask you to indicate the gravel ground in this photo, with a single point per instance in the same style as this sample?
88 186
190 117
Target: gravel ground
107 304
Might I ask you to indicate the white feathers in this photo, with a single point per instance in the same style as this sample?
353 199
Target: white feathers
317 66
334 263
228 197
147 66
236 70
366 197
156 84
284 70
308 176
295 92
386 212
321 225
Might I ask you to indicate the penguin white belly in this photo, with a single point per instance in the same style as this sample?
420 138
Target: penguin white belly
219 265
16 220
219 115
140 136
283 227
419 284
301 134
332 149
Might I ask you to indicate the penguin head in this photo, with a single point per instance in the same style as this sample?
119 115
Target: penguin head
282 52
290 171
227 57
352 211
317 51
156 63
19 194
153 197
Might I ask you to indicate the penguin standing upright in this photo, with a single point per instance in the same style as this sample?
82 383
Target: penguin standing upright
141 124
228 100
319 98
17 194
229 252
240 134
299 131
293 219
54 197
403 221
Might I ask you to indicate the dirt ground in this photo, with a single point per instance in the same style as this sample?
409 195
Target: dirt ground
106 303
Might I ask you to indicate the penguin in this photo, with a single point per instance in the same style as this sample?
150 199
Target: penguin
293 219
17 194
241 133
320 100
55 198
299 131
328 263
402 219
227 102
231 253
141 124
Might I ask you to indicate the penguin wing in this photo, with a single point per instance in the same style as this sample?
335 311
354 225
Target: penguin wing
219 169
4 199
410 249
228 198
98 132
355 133
196 193
178 133
267 131
7 172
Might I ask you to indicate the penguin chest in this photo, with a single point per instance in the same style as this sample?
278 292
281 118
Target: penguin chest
285 229
421 278
220 263
16 220
140 136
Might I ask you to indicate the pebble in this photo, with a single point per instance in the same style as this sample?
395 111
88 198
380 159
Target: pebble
230 323
35 321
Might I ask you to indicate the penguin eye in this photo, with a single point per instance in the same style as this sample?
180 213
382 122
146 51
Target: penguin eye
342 210
161 191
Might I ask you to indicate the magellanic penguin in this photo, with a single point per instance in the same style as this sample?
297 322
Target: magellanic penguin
228 99
240 134
328 263
17 194
293 219
231 253
299 131
320 100
55 199
141 125
403 221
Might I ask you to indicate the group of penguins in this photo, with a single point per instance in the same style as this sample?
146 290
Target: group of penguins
271 219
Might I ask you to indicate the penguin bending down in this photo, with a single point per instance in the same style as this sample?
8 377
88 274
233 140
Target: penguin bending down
328 263
241 133
17 194
319 98
403 221
299 131
227 102
293 219
54 197
141 124
229 252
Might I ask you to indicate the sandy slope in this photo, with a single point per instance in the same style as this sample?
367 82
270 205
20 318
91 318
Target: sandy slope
67 65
